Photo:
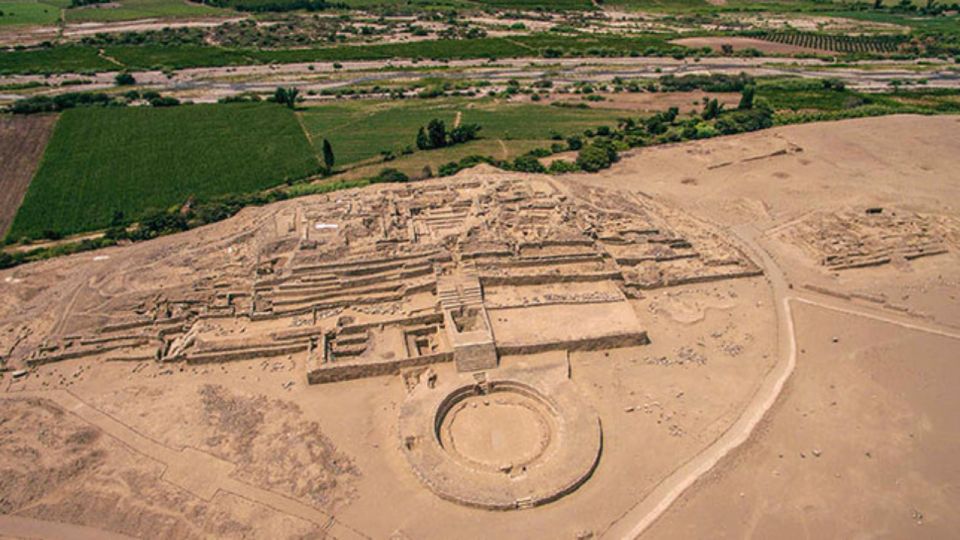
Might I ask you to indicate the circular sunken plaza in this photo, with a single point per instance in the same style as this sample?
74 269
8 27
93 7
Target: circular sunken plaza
500 443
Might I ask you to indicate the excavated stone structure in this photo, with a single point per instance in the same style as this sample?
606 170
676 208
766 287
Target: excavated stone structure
393 279
858 238
373 281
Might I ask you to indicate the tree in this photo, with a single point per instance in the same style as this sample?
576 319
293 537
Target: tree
164 101
328 157
746 98
292 94
390 175
561 166
286 96
125 79
423 143
464 133
437 133
596 156
7 260
655 125
711 108
759 117
528 164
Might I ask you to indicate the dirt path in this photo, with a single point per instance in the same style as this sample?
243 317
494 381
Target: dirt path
306 133
645 513
896 321
102 54
51 243
457 119
21 527
22 142
190 469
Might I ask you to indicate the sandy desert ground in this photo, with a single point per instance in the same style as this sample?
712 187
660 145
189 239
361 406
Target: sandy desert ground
810 397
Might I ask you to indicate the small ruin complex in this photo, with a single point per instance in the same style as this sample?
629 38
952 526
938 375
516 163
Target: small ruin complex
871 236
392 279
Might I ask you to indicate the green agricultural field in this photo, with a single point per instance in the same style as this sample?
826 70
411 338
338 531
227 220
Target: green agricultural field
537 122
804 94
64 59
470 4
133 160
30 12
143 9
409 5
703 6
944 26
413 164
72 58
182 57
555 5
360 130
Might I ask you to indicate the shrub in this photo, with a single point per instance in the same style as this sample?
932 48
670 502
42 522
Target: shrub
38 104
7 260
705 131
125 79
596 156
159 223
561 166
390 175
717 82
166 101
834 84
746 99
740 121
464 133
246 97
529 164
437 133
448 169
286 96
552 52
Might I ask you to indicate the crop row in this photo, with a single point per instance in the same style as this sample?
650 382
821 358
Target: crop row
838 43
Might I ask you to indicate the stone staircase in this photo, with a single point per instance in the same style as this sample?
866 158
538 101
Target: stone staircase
460 289
466 321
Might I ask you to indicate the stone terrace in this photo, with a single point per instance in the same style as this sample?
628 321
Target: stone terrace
372 281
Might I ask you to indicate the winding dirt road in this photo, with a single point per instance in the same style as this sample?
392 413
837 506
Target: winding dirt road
647 511
639 518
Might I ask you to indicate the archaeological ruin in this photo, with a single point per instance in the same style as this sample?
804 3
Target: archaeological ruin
390 280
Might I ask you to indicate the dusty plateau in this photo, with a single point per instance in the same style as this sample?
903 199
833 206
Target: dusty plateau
753 330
